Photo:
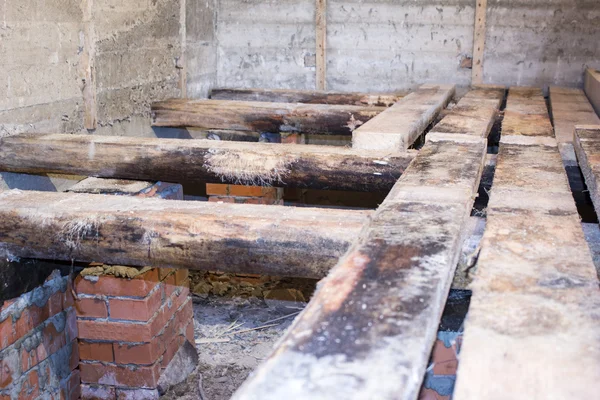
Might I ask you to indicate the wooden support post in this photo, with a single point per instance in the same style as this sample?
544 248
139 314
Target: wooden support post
321 43
203 161
479 41
533 326
273 240
570 107
262 117
399 126
370 327
307 96
592 88
587 149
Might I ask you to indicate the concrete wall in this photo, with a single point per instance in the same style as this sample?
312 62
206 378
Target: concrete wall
200 46
42 48
541 42
384 45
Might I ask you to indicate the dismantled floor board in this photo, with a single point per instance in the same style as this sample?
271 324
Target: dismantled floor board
369 329
592 87
533 327
268 240
397 128
570 107
306 96
474 114
321 119
526 113
203 161
587 149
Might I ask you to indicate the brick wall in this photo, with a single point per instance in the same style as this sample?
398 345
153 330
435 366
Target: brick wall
38 343
129 331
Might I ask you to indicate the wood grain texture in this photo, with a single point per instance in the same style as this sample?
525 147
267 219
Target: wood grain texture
321 43
269 240
368 331
592 88
320 119
526 113
307 97
203 161
396 128
474 114
587 149
570 107
533 327
479 34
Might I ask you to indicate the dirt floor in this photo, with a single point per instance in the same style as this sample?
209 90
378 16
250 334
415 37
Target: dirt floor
238 319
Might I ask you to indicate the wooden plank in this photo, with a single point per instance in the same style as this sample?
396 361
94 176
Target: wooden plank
526 113
479 41
203 161
369 329
474 114
307 96
270 240
399 126
122 187
533 327
570 107
587 149
321 43
262 117
592 88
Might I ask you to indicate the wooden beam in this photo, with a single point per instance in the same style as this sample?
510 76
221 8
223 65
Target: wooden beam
533 328
479 41
321 43
203 161
261 117
570 107
307 97
270 240
526 113
592 88
474 114
396 128
370 327
587 149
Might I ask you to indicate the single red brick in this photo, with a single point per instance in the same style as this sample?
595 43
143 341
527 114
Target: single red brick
181 276
139 286
7 333
24 325
444 359
139 354
52 341
97 392
116 375
170 350
164 272
190 333
167 311
114 331
91 307
136 310
96 351
170 285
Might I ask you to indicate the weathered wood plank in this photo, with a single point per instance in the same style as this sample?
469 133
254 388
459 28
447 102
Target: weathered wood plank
587 149
592 88
479 34
399 126
369 329
533 327
474 114
570 107
526 113
270 240
307 96
203 161
321 43
262 117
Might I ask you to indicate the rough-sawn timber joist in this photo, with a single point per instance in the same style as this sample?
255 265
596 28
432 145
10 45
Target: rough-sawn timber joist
533 327
396 128
273 240
203 161
587 149
307 96
321 119
368 331
570 107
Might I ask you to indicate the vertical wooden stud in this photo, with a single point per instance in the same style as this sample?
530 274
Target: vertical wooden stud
321 24
479 42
